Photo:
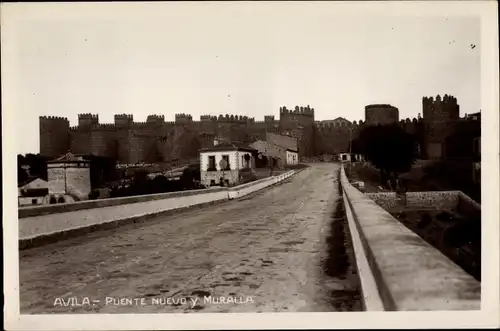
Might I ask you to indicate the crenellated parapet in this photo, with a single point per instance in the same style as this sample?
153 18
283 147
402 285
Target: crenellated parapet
446 99
136 140
88 120
142 125
235 119
205 118
54 118
124 120
104 126
440 109
298 110
155 118
183 118
331 125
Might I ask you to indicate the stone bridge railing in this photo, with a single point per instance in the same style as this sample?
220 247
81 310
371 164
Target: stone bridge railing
398 270
42 224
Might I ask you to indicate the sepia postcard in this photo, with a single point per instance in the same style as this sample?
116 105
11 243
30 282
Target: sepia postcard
250 165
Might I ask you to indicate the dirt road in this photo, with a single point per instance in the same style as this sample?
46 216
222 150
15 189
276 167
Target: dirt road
265 253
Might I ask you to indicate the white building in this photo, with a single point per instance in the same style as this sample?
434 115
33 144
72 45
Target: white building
283 151
347 157
69 179
292 157
32 192
237 161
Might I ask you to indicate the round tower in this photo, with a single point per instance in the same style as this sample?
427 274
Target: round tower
382 114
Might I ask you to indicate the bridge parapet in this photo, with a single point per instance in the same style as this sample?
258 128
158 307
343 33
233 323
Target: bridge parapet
399 271
45 224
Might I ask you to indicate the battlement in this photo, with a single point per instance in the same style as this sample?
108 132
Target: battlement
235 119
155 118
447 99
261 123
208 118
105 126
269 118
328 125
304 111
88 115
54 118
124 116
88 119
142 125
408 121
183 118
445 108
124 120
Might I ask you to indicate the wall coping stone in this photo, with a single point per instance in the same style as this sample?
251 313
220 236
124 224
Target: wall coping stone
31 211
410 274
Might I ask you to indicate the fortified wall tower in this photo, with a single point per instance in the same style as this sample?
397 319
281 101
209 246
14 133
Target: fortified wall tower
383 114
54 136
299 123
440 115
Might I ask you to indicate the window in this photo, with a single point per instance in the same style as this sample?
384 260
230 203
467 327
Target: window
53 200
211 163
34 201
226 158
212 182
60 200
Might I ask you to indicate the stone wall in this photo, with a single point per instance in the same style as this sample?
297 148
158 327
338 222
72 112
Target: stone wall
231 175
184 137
384 200
467 206
442 200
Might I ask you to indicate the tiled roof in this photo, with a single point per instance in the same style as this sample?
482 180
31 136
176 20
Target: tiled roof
229 146
26 181
69 157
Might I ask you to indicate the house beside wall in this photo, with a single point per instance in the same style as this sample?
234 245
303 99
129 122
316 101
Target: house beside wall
279 150
32 192
347 157
68 179
225 164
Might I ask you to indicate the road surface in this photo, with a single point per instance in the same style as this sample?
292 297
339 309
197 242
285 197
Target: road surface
265 253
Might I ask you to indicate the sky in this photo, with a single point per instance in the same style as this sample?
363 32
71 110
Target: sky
241 59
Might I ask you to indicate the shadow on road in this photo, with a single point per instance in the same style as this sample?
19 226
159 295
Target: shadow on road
339 266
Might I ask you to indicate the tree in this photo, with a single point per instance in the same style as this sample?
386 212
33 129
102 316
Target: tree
389 148
190 174
36 163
